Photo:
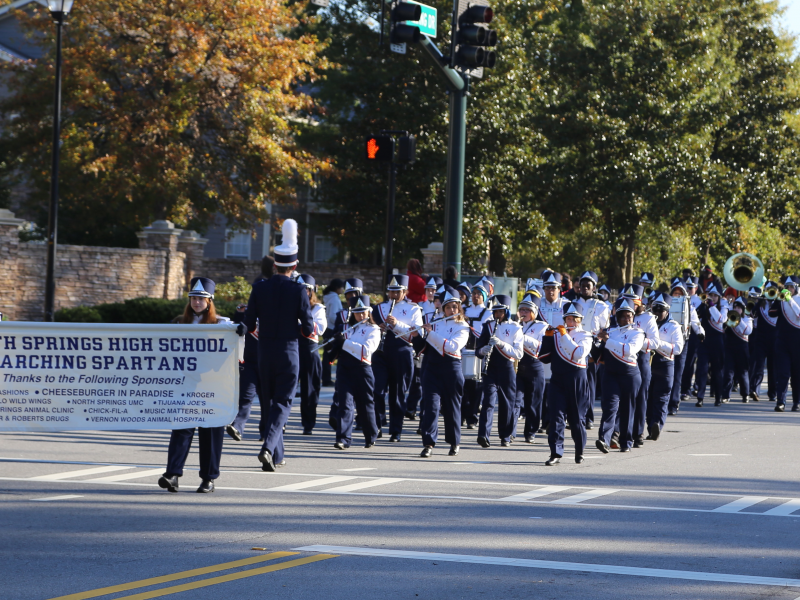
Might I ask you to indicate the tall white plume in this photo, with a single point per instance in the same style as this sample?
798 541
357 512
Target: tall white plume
289 230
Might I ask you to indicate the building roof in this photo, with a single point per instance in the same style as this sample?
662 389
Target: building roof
13 43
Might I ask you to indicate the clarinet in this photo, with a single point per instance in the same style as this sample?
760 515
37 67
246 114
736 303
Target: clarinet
488 356
383 333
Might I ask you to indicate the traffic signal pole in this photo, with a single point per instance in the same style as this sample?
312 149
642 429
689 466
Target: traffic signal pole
457 85
387 261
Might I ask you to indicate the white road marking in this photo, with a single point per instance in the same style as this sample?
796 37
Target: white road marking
127 476
588 495
785 509
52 498
557 565
360 469
293 487
708 454
79 473
544 491
361 485
740 504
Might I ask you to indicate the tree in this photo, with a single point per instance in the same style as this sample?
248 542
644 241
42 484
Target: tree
173 109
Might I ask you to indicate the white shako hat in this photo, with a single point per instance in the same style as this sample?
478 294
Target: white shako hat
286 253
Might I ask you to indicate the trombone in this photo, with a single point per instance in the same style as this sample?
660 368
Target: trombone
734 318
785 295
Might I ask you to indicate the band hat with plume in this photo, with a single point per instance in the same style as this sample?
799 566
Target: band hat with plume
690 282
571 310
359 304
353 285
286 253
500 302
433 283
202 287
448 294
625 304
307 280
590 275
646 278
633 290
604 288
754 291
551 280
661 299
714 289
531 302
677 284
397 283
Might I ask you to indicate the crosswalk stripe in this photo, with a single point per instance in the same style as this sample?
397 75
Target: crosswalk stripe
544 491
79 473
785 509
361 485
589 495
313 483
740 504
127 476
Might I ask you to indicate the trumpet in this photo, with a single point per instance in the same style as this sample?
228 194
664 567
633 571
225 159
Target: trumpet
785 295
703 296
751 306
771 293
734 318
648 291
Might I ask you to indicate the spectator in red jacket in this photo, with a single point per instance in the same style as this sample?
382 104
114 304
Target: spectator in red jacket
416 284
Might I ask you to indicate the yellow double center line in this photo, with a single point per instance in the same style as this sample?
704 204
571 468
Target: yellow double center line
197 572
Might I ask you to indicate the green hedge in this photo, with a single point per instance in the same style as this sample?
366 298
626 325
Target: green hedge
136 310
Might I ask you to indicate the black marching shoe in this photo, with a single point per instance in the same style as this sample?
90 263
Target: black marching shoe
453 450
717 402
418 431
672 412
483 442
505 443
746 399
427 451
265 458
529 439
340 446
754 396
589 425
380 435
553 460
470 425
625 449
307 431
655 431
615 440
231 431
410 416
394 438
369 445
795 407
638 442
281 464
602 446
206 487
699 404
579 459
168 483
684 397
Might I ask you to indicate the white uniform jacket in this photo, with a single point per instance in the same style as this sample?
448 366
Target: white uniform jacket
448 337
532 333
647 323
791 310
362 341
320 320
695 320
574 347
744 328
553 314
625 343
408 316
717 315
765 314
427 308
509 335
596 314
670 338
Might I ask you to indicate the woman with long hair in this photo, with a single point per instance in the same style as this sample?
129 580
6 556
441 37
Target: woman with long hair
443 379
199 310
416 282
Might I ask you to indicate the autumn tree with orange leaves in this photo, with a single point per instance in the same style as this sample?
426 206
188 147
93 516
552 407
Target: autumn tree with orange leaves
172 109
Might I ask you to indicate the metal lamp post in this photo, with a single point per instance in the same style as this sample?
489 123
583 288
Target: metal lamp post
59 9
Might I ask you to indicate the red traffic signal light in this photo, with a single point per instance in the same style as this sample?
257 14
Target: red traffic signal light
380 147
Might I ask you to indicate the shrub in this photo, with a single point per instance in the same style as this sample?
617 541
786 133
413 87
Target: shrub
79 314
236 291
136 310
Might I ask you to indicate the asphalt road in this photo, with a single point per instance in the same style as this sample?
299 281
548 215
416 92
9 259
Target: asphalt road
710 510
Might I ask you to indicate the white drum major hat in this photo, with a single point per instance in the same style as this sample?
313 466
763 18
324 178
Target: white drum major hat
286 253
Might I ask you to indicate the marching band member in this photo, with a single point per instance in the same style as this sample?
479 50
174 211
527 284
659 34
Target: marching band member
487 281
647 323
662 369
277 305
605 295
711 353
199 310
737 351
695 339
394 367
787 344
619 347
353 287
310 363
464 290
429 307
443 381
552 308
476 314
693 327
501 343
567 348
355 382
595 318
530 372
763 345
333 305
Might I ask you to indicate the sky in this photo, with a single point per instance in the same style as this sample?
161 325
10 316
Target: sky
791 19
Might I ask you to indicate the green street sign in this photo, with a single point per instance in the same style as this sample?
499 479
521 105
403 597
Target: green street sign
427 22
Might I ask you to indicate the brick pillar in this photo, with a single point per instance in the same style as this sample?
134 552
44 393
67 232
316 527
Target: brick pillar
9 251
162 235
432 258
192 245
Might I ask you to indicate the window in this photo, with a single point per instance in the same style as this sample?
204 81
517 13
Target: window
324 250
238 246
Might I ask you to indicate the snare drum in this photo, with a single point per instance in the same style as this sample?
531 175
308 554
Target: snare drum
470 364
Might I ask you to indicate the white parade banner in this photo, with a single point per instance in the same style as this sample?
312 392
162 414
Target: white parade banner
105 376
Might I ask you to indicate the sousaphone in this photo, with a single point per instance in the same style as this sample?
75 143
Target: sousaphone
742 271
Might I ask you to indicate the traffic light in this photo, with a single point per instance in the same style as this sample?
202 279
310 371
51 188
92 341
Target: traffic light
400 32
380 147
473 37
407 149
